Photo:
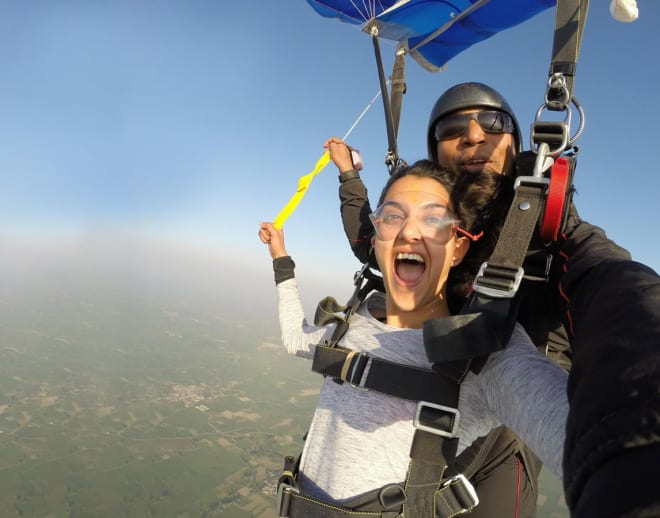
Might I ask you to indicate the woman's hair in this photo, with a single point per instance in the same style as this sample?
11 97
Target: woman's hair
480 201
421 168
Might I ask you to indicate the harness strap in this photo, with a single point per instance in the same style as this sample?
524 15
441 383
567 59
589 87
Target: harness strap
512 245
570 19
486 323
368 372
329 311
427 491
434 445
467 336
430 454
294 504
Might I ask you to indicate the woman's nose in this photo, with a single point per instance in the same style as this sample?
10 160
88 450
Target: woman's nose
410 230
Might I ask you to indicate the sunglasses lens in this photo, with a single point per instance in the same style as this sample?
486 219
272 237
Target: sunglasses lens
450 127
489 121
495 122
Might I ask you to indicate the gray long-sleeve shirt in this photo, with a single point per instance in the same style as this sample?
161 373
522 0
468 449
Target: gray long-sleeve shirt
360 440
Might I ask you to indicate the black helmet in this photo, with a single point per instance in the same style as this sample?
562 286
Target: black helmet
464 96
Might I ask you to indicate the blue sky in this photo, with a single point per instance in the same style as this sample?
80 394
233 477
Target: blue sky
189 122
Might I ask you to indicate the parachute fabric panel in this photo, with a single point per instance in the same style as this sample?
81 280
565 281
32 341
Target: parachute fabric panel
434 31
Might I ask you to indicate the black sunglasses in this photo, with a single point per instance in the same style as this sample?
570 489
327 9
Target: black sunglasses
490 121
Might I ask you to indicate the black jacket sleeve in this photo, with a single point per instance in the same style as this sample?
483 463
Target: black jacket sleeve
355 210
611 457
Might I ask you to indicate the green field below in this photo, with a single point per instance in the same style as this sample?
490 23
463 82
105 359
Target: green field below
117 406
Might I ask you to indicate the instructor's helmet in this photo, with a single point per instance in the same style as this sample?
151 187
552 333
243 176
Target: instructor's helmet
465 96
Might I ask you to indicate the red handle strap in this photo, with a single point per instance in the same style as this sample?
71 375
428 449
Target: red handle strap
554 206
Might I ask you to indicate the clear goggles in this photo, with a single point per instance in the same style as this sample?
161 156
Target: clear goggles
434 221
490 121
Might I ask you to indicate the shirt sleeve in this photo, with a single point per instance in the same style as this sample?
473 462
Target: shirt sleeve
527 392
298 336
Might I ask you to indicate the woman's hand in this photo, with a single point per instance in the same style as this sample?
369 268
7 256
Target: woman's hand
274 238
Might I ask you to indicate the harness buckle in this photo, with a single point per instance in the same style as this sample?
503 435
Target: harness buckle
504 286
353 369
392 495
432 418
456 496
284 492
538 268
532 181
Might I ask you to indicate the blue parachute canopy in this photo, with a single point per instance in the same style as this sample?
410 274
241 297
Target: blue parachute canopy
433 31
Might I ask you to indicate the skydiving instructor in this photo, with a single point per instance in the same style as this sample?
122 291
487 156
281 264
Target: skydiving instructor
597 314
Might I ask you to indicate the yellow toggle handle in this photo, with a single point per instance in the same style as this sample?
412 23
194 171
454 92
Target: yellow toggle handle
303 185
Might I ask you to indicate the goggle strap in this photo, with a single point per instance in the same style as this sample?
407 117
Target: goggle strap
471 237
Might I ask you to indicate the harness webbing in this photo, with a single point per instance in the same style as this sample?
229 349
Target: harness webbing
511 248
329 311
393 379
487 321
426 492
570 19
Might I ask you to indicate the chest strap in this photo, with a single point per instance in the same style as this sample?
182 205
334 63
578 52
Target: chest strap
368 372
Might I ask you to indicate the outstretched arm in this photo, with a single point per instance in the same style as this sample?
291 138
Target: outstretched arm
527 392
613 319
298 336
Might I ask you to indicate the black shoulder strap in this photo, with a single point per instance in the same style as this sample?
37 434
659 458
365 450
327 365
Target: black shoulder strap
487 321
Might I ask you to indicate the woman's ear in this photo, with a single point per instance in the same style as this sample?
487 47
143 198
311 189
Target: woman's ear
461 248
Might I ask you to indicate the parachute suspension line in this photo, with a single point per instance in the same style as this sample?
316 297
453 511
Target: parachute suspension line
392 156
367 14
366 109
367 10
306 180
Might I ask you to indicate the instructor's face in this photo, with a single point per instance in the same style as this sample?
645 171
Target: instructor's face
477 150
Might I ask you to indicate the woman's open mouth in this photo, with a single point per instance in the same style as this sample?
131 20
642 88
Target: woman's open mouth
409 267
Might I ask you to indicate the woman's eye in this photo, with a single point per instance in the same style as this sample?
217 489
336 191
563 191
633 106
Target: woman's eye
392 219
435 221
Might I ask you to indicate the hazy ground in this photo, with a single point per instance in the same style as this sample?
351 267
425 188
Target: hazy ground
147 385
